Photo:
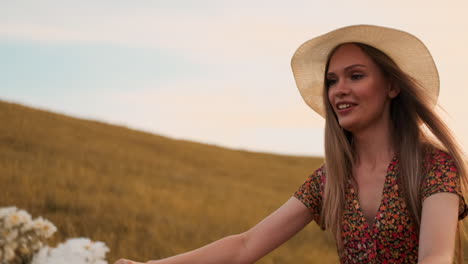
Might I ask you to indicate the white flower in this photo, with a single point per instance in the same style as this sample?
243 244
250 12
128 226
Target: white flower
43 227
16 219
41 256
99 250
24 250
37 245
73 251
10 235
9 253
27 227
7 211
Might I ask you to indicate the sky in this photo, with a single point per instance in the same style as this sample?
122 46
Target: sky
211 71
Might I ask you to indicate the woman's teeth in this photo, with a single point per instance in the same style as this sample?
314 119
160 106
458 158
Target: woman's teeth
343 106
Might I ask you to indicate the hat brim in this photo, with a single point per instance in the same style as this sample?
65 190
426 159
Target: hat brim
407 51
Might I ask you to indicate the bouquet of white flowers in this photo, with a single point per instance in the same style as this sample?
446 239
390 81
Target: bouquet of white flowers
20 236
22 241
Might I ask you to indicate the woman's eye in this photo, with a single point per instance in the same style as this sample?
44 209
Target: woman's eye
331 82
357 76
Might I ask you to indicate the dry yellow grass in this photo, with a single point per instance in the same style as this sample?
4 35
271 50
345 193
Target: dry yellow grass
144 195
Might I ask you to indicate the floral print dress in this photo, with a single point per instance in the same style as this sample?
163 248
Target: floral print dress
393 236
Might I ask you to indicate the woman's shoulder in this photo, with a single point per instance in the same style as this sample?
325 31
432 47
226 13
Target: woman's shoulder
316 179
441 171
320 174
320 170
443 176
438 157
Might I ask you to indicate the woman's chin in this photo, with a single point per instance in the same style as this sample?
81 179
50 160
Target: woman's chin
348 126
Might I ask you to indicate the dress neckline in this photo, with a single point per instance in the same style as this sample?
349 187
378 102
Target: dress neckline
366 224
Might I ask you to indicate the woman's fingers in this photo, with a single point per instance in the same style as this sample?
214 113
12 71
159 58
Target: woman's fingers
125 261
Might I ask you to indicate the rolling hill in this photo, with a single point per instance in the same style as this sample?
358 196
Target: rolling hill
146 196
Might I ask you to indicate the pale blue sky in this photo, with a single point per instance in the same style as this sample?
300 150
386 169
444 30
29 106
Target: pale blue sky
211 71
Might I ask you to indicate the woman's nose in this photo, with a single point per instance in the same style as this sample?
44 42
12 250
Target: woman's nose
341 89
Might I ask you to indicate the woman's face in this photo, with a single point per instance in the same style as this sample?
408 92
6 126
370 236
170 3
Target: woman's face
357 90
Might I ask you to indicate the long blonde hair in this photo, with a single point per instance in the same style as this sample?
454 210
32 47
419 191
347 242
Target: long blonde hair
410 112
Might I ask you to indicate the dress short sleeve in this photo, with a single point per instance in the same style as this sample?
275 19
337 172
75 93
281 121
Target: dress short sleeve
443 177
311 191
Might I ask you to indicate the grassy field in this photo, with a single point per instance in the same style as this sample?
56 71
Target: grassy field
144 195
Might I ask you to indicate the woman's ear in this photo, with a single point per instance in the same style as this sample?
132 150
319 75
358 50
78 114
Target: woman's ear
393 90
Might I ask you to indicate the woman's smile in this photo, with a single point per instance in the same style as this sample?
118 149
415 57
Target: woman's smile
344 107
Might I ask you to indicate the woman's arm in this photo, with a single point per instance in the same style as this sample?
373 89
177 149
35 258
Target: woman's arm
251 245
439 221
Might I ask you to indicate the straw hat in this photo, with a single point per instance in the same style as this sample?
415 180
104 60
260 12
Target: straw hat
409 53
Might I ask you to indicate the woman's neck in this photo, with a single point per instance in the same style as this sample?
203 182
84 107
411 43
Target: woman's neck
374 146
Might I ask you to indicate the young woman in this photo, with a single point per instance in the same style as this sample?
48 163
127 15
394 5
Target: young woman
393 183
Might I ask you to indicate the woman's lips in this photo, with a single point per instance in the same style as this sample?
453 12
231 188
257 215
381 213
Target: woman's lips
345 107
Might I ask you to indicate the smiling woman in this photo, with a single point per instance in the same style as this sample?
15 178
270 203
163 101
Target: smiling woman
387 191
384 175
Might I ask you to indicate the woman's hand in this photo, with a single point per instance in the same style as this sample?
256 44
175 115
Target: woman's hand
126 261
